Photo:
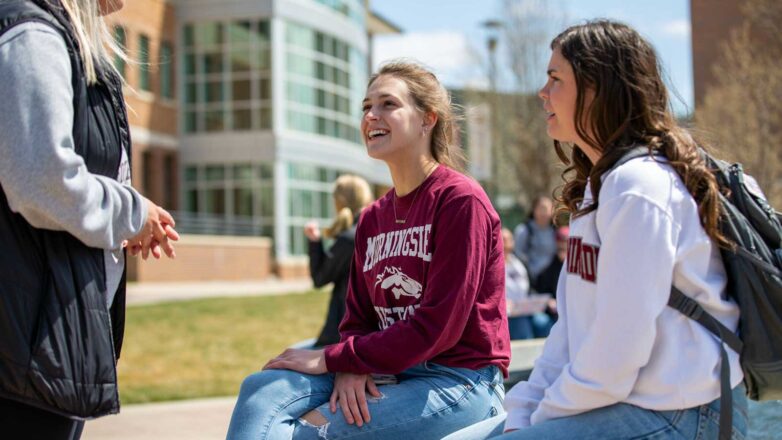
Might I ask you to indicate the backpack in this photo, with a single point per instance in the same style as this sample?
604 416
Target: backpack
754 271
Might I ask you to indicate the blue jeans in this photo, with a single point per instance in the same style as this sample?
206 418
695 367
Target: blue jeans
528 327
429 402
622 421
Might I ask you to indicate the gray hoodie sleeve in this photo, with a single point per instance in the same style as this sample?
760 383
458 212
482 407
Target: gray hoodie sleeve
43 178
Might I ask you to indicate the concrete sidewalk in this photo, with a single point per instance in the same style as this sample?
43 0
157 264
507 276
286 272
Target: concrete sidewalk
149 293
201 419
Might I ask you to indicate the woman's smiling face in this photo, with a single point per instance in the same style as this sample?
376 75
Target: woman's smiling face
391 123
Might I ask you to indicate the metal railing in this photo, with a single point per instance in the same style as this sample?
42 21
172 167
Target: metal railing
217 224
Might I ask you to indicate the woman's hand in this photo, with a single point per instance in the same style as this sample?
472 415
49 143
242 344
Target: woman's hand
312 231
301 360
350 391
156 233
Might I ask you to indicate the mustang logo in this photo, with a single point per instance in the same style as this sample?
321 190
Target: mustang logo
400 283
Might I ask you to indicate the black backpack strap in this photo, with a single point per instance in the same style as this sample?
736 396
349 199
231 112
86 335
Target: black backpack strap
691 309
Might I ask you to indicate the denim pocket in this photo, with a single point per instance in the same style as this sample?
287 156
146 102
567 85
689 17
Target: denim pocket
467 377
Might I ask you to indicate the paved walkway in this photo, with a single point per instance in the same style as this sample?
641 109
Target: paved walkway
202 419
147 293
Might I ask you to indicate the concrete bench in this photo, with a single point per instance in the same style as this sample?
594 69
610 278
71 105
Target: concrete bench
522 359
523 355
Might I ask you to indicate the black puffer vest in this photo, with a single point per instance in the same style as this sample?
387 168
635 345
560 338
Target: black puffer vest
58 342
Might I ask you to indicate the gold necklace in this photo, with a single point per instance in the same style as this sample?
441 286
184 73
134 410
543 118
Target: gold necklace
401 221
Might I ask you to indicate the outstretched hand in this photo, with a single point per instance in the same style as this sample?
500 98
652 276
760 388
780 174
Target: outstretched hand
350 392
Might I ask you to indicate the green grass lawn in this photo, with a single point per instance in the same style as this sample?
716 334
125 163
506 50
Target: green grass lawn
203 348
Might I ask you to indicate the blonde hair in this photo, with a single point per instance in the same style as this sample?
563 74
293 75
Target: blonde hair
430 96
96 43
353 193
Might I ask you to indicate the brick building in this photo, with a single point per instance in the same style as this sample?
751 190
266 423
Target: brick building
242 114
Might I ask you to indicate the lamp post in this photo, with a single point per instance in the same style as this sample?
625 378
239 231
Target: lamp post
493 28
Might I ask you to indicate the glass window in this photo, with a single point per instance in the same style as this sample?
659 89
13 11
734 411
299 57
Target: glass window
191 95
191 124
243 201
240 90
191 174
321 125
213 91
215 172
212 62
190 64
265 171
144 81
243 172
265 88
326 202
121 39
308 202
266 197
240 32
215 201
242 119
189 39
263 31
166 70
191 201
209 34
240 59
265 118
214 120
264 58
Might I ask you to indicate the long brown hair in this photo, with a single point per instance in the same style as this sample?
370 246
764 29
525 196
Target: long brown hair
630 108
430 97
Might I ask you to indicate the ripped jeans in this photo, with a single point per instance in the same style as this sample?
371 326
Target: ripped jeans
429 402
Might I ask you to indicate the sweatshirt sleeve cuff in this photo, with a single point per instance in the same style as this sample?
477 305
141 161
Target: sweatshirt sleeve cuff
143 211
332 354
515 420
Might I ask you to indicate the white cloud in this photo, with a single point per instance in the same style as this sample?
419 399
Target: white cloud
448 53
677 29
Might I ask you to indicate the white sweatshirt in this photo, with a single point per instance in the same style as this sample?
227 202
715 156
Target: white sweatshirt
616 340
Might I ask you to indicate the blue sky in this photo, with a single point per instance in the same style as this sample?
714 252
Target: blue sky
447 36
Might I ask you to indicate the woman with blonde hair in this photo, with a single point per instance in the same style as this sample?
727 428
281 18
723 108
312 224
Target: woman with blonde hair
424 343
351 195
66 211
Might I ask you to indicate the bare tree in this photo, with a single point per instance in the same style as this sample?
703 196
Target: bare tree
742 112
527 153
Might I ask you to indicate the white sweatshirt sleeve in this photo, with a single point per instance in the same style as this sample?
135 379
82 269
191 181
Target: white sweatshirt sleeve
41 175
635 267
523 399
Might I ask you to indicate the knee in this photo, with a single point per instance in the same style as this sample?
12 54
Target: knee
267 381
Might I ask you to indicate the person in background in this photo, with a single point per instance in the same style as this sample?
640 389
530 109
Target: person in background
424 342
66 211
351 195
523 321
536 239
548 279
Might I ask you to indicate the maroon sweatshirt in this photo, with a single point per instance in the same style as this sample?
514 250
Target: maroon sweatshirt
429 289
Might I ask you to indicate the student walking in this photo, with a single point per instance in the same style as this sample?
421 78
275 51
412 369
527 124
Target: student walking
426 304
